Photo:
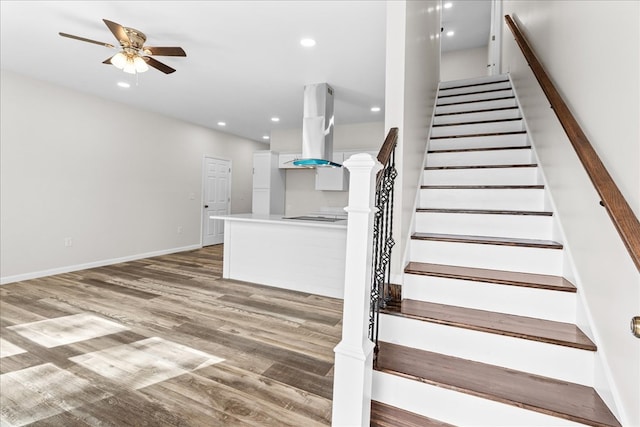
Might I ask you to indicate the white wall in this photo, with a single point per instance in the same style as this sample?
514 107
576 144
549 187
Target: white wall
117 180
412 76
301 197
591 50
464 64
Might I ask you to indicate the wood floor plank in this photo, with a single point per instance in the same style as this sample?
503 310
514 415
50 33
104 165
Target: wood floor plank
549 396
383 415
273 390
276 346
268 351
300 379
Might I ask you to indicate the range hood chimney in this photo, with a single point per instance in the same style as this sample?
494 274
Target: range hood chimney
317 127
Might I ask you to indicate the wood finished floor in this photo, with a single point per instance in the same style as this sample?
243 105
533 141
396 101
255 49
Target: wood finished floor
169 343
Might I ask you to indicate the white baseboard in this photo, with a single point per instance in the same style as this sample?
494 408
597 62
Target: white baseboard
67 269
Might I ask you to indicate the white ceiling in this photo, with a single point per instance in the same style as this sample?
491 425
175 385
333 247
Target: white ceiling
244 62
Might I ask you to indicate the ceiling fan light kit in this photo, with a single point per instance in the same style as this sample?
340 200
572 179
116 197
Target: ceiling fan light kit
128 62
130 59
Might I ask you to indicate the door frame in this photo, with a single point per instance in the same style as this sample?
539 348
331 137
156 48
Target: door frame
204 186
495 39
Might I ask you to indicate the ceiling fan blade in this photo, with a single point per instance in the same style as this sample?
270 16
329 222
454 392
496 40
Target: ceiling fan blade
164 51
87 40
118 31
158 65
108 61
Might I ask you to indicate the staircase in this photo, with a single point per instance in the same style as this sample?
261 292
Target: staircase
485 333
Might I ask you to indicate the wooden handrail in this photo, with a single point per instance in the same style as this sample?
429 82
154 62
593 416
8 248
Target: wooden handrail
624 219
387 148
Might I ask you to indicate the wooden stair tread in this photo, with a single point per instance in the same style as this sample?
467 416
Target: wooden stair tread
483 187
487 240
477 100
474 93
463 150
484 211
383 415
453 113
479 122
475 84
526 165
530 280
475 135
529 328
541 394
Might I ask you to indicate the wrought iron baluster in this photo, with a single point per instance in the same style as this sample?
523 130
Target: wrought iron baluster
383 241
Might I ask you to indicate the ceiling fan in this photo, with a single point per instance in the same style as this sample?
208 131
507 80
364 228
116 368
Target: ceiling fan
132 57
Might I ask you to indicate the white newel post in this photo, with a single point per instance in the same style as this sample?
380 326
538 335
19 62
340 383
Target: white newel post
353 369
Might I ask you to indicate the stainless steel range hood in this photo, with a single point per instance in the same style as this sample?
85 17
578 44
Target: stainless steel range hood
317 127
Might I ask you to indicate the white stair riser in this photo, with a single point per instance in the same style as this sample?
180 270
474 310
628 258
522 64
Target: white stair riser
474 89
498 199
475 97
510 113
476 224
475 106
483 176
494 257
549 360
508 140
519 300
455 407
475 128
519 156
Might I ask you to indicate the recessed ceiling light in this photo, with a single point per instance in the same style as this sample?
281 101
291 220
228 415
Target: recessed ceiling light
275 119
265 136
222 124
448 5
308 42
375 109
124 84
450 33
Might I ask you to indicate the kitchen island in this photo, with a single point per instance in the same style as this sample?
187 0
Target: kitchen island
296 254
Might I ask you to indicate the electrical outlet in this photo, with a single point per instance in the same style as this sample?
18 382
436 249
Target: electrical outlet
179 229
68 242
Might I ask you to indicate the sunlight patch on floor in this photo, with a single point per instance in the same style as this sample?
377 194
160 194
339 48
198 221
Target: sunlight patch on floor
9 349
68 329
143 363
41 391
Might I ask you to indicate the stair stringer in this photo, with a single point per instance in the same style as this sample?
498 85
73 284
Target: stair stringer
584 320
406 251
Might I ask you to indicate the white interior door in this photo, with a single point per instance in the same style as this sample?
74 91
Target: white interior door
216 199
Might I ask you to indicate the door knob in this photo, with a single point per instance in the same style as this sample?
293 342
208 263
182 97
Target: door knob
206 206
635 326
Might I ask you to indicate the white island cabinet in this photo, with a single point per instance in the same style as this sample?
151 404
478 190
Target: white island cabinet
306 256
